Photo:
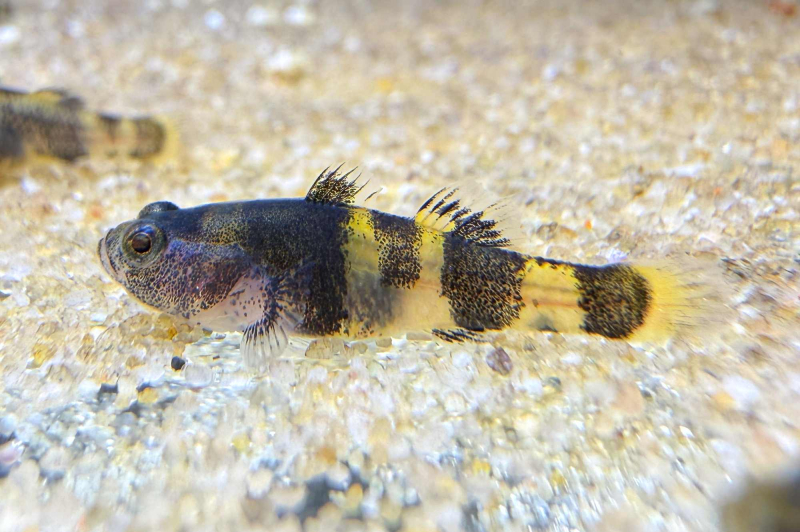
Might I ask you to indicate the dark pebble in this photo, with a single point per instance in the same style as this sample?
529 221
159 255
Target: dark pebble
178 363
499 361
109 388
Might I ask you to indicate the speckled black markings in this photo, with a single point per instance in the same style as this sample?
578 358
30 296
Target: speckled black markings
471 226
399 240
482 284
283 234
333 188
198 283
369 304
54 135
150 138
457 335
45 132
616 299
11 145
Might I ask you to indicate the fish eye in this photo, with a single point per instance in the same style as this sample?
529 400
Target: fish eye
141 242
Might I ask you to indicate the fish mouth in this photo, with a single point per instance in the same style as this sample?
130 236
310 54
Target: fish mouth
102 253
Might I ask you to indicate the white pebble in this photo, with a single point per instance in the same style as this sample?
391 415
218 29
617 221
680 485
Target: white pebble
7 425
29 186
338 477
88 389
462 359
298 16
283 60
10 453
454 403
260 17
743 391
532 386
9 35
550 72
198 376
258 483
352 44
214 19
76 29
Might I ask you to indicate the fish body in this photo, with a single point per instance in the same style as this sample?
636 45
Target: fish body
321 266
52 124
765 505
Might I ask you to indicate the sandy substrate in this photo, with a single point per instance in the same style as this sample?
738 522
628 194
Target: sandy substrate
621 129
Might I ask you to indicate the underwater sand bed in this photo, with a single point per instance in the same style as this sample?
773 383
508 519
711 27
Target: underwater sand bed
622 131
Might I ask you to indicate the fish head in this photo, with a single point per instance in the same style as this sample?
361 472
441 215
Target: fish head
168 260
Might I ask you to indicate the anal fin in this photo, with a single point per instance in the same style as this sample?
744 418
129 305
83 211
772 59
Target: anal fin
459 335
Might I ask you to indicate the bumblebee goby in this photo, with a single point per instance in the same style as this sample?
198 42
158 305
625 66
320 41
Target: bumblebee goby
54 125
321 266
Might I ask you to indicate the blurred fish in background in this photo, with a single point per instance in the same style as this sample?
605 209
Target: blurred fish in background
55 125
771 505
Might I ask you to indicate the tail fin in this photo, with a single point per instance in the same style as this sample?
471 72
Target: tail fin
688 300
640 303
149 138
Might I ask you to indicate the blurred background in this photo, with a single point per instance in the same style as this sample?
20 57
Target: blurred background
621 129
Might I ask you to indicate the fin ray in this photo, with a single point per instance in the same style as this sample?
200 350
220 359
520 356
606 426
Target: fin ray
459 335
334 188
458 210
268 337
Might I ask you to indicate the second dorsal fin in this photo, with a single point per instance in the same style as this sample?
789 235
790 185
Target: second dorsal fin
446 211
334 188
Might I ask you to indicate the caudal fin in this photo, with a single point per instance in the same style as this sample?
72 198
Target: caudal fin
640 303
151 138
688 300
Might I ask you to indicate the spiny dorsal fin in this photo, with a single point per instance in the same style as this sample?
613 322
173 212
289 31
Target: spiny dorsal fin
61 97
446 212
334 188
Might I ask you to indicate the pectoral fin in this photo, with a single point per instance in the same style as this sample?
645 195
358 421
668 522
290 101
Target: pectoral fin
284 303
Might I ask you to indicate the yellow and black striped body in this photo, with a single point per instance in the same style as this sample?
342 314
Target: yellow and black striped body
320 266
378 274
54 125
401 277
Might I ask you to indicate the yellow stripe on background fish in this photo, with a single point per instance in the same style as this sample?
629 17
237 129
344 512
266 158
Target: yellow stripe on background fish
52 124
321 266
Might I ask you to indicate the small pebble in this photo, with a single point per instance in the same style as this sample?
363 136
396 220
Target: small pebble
8 424
109 388
213 19
261 17
743 391
9 35
258 483
298 16
177 363
499 361
198 376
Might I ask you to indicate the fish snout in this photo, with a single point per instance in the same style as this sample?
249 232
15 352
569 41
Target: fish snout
102 254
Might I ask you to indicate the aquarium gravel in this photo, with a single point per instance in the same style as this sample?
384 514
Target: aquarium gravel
621 130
